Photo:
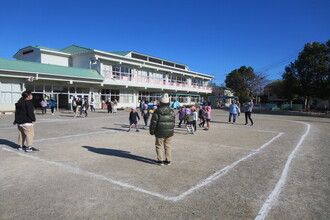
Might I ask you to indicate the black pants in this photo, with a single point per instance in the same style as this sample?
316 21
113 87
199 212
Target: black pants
109 109
248 116
202 123
92 108
44 109
52 109
146 118
180 122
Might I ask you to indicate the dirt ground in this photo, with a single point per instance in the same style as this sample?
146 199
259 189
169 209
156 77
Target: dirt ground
91 168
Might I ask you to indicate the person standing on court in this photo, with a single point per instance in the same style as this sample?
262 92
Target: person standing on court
25 120
52 104
44 105
248 106
162 126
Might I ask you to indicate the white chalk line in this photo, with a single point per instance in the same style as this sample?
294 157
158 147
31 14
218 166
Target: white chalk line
223 171
54 120
74 135
266 207
79 171
205 182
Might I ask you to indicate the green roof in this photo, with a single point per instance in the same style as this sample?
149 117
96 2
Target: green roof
74 49
19 65
46 48
122 53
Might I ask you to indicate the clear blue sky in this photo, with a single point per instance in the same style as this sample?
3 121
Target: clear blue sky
212 37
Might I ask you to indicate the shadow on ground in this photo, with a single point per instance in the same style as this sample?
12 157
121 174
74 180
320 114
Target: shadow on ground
119 153
9 143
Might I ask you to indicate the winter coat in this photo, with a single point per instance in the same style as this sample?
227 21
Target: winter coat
162 122
24 112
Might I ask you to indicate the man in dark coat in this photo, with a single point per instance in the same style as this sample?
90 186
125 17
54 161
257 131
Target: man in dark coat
162 126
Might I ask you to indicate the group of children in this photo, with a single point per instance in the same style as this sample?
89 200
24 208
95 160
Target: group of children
189 117
134 117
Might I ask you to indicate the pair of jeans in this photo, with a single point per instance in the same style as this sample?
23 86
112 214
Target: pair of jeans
234 117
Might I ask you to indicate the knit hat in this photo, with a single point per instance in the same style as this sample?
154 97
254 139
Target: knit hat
165 98
155 107
193 108
134 108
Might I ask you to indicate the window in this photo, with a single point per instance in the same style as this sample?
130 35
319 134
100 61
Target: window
10 92
180 66
149 96
155 60
138 56
28 51
168 63
126 96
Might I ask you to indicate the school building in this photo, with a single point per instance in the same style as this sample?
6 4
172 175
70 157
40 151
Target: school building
77 71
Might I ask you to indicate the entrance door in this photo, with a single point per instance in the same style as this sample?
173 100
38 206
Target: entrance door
63 101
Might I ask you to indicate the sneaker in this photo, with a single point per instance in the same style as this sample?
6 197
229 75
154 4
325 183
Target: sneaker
252 124
168 163
30 149
245 123
52 113
137 130
129 130
160 163
21 148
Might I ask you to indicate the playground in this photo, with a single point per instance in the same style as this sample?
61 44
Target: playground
91 168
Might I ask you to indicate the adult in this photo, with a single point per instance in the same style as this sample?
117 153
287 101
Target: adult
92 105
74 106
162 126
44 105
248 106
79 106
86 107
115 103
52 104
25 119
109 106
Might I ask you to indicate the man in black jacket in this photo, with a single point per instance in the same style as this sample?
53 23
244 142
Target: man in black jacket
25 119
162 126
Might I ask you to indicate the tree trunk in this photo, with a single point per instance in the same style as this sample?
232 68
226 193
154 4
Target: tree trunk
305 104
291 104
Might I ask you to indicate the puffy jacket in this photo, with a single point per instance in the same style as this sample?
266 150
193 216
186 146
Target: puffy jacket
24 112
162 122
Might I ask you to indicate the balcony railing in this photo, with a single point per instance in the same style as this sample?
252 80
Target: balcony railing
128 77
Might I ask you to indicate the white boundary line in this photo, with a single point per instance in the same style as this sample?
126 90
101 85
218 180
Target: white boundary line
266 207
74 135
205 182
54 120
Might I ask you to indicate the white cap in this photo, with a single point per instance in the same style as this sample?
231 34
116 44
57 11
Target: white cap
165 98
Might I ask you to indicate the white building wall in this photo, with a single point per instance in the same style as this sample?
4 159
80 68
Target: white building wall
54 59
82 61
10 93
34 56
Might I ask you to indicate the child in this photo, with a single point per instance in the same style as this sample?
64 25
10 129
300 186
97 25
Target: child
44 105
134 119
233 111
200 114
194 117
181 114
207 117
203 115
189 121
145 115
